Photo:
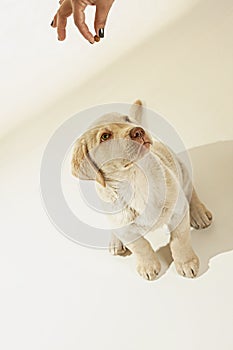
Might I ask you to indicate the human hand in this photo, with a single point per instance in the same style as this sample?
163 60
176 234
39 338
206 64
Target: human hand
77 7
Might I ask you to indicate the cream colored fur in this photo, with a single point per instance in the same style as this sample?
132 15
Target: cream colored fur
165 172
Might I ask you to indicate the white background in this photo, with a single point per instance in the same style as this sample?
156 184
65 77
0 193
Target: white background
56 294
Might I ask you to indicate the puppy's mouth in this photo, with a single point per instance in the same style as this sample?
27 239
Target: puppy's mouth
143 149
147 144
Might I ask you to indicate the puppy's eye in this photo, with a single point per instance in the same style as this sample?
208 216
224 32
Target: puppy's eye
105 136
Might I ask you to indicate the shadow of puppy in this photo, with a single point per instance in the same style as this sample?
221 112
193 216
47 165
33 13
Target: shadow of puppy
213 178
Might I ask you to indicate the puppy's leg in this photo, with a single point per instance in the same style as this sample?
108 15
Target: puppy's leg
116 247
200 216
148 265
186 261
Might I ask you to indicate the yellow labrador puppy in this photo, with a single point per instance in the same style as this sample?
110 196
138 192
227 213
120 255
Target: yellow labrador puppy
149 184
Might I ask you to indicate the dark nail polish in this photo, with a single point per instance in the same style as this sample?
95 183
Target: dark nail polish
101 32
52 23
91 43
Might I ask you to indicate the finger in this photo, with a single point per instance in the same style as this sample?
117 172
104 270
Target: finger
63 13
61 27
101 15
79 20
65 10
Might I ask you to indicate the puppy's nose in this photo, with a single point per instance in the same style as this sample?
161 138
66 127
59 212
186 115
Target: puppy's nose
137 133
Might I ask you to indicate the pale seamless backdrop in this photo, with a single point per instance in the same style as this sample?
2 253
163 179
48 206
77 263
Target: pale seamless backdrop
58 295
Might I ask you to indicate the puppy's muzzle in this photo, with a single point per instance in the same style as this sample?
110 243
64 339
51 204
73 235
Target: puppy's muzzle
138 134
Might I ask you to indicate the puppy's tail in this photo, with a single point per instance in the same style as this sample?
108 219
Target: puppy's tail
136 111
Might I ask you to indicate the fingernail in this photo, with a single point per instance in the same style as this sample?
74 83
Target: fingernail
59 39
101 32
91 42
52 23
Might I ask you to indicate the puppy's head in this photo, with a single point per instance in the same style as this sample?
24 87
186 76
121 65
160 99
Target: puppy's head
112 144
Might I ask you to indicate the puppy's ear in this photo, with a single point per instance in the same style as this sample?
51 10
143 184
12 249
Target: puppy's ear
136 111
83 166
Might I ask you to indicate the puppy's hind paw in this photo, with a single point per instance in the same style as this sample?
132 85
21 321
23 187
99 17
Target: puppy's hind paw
200 216
116 247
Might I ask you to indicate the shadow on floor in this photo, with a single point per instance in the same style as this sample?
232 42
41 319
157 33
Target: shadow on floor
213 179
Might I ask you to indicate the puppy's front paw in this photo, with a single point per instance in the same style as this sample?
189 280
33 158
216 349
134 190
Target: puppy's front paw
149 268
188 268
200 216
116 247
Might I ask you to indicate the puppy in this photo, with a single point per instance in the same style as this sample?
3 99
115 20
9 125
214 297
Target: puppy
147 184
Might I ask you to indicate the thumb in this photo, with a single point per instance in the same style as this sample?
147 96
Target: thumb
102 10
